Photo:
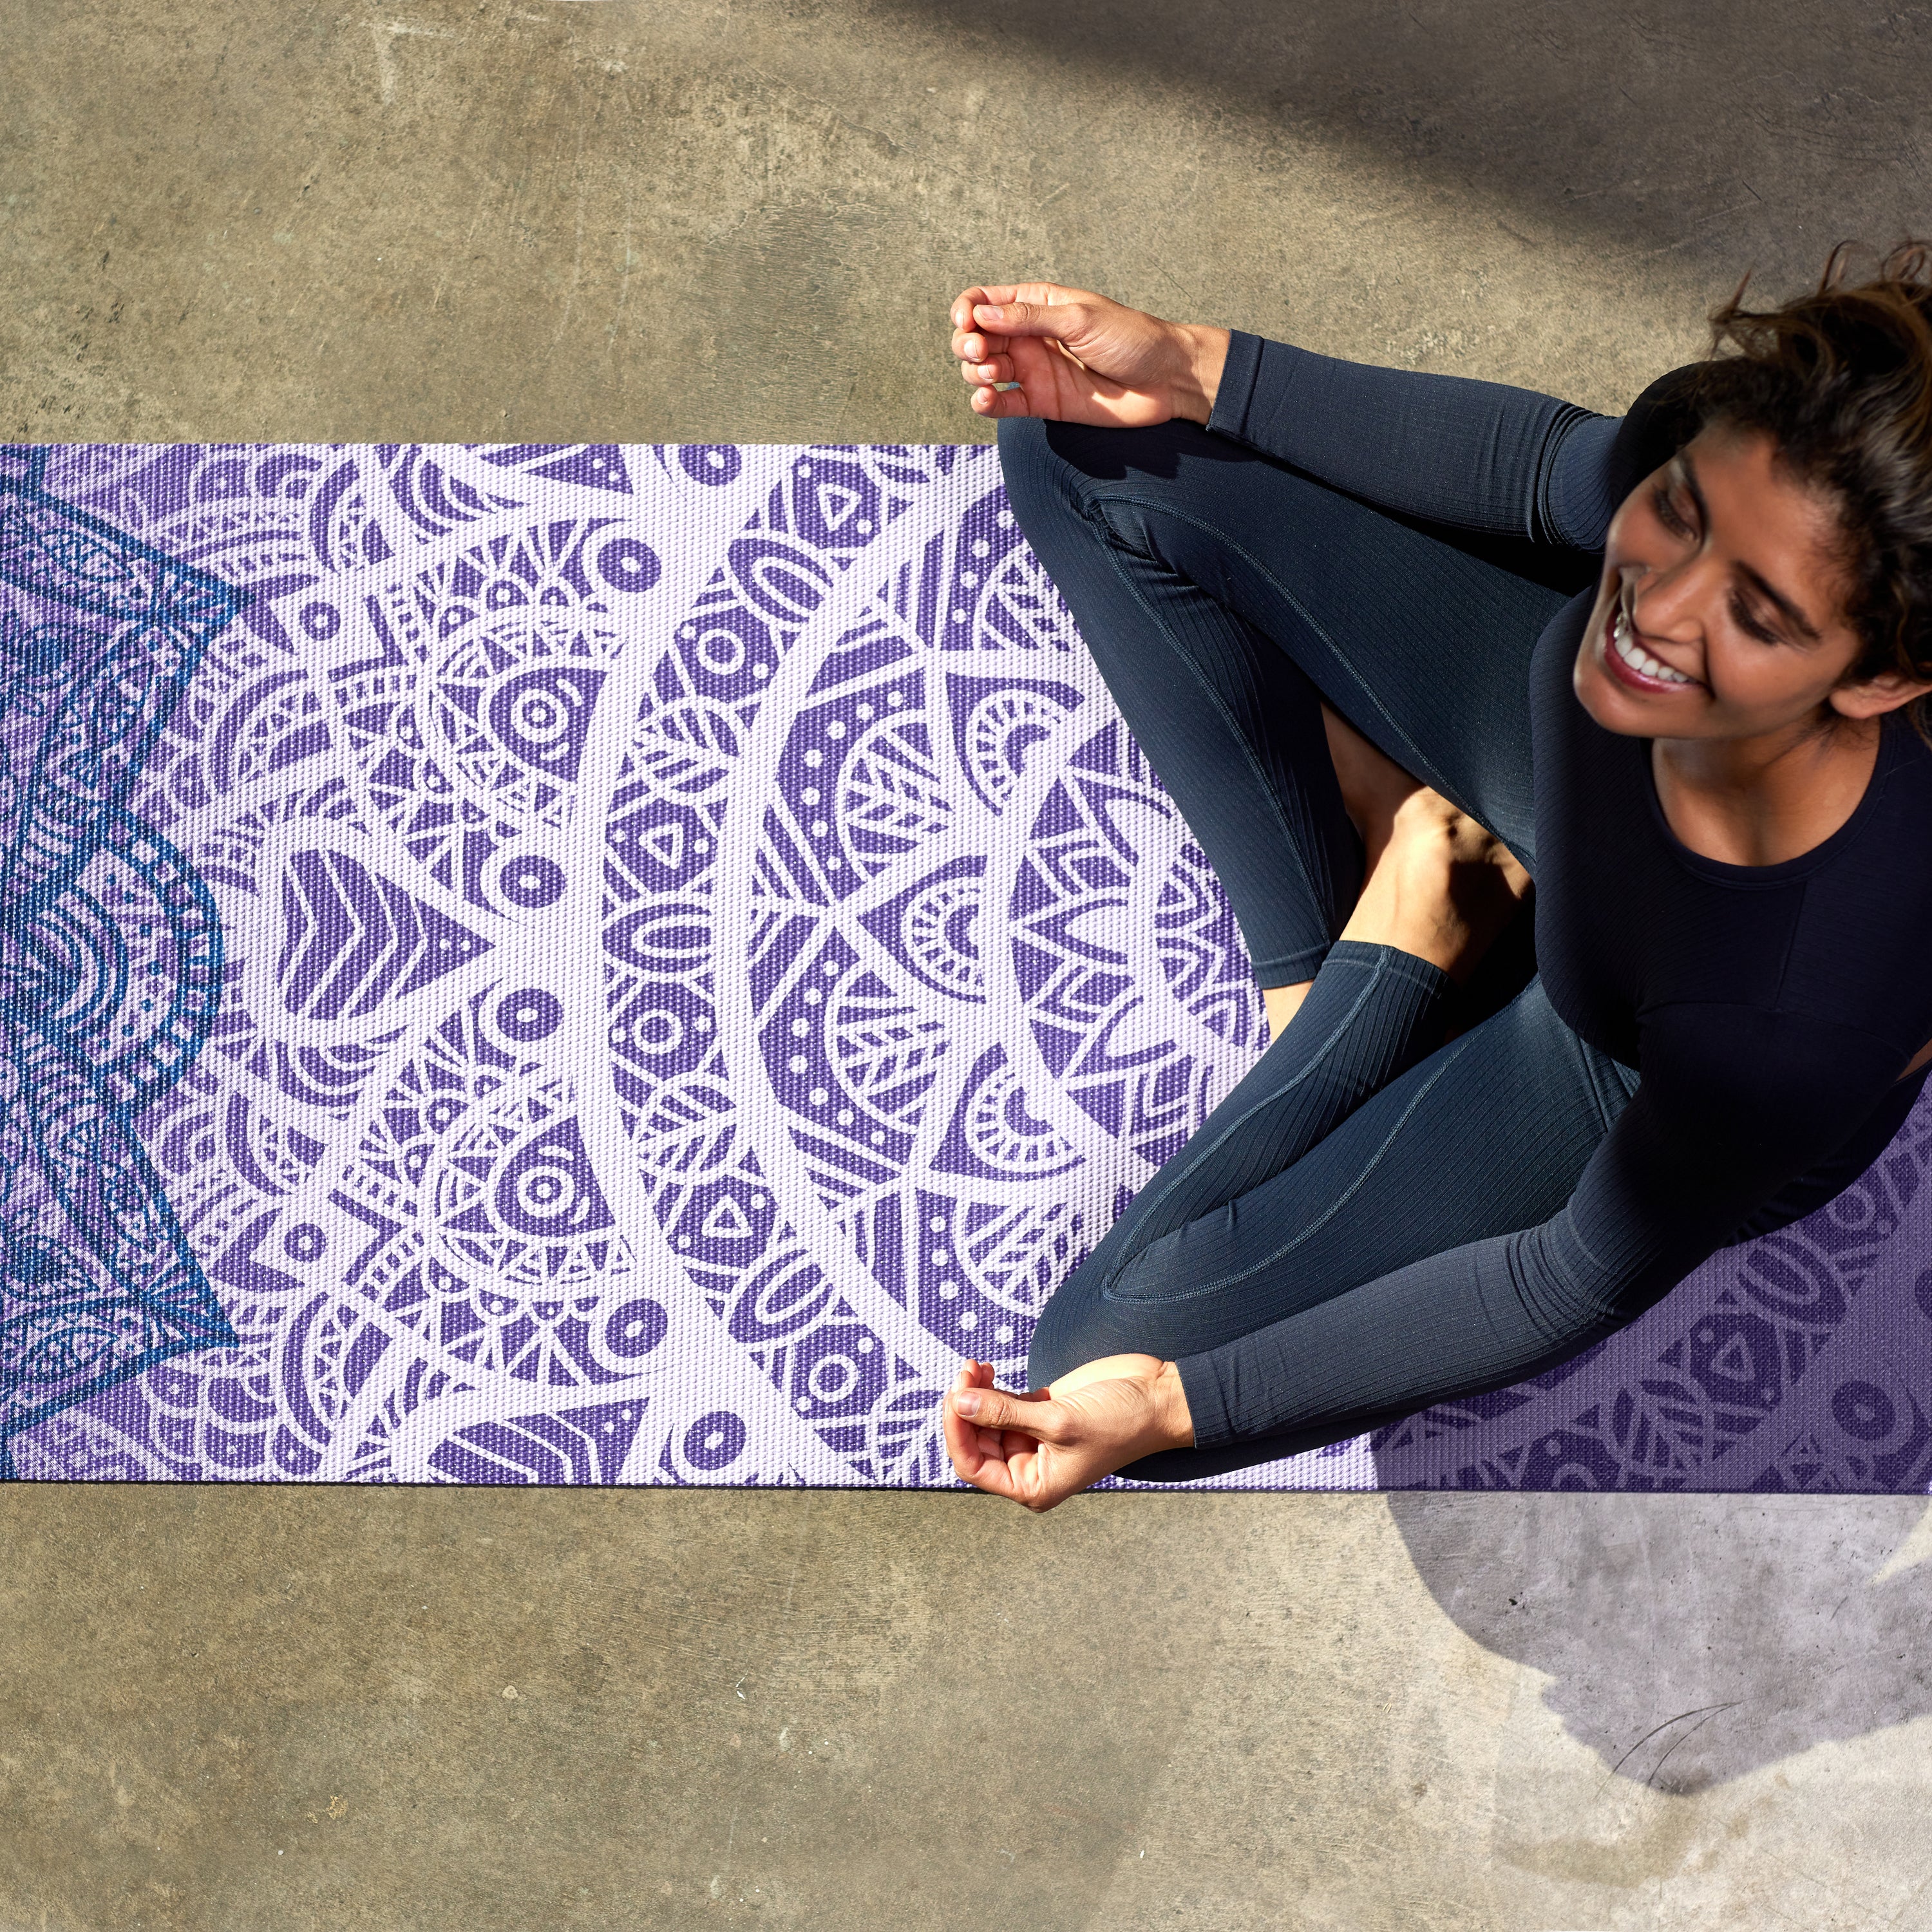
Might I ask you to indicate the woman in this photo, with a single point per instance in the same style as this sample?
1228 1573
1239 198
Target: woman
1398 644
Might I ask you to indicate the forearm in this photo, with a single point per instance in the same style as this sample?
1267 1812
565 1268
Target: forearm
1480 455
1455 1324
1665 1190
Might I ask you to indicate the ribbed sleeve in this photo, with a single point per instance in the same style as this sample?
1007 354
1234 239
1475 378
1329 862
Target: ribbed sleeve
1479 455
1741 1105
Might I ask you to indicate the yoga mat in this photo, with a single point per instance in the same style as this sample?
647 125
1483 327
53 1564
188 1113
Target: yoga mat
622 964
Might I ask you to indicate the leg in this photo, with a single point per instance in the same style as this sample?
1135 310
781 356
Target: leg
1484 1136
1232 724
1378 1006
1373 789
1184 556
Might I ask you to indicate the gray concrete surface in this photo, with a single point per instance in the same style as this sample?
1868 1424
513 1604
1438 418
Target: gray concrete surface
532 219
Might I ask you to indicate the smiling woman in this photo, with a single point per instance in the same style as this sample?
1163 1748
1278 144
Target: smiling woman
1397 645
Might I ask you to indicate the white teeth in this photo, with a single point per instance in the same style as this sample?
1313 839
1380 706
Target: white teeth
1634 654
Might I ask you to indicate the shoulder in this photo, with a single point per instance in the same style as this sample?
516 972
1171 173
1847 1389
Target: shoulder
1860 951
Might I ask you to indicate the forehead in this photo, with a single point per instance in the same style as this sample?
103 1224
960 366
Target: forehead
1747 484
1764 515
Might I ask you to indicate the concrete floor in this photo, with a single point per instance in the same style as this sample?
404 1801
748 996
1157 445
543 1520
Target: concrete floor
531 219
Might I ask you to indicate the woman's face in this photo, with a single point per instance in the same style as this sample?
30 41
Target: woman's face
1721 611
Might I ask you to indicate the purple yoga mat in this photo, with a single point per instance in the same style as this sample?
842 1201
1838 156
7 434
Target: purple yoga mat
566 963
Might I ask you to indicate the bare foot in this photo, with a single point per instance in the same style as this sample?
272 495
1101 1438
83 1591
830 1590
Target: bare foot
1444 895
1442 888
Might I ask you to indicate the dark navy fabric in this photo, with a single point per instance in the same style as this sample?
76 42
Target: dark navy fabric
1375 1220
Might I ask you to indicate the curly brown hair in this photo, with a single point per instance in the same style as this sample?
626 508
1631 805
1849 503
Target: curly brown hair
1841 379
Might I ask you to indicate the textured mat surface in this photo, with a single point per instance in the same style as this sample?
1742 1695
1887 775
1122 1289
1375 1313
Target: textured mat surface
622 964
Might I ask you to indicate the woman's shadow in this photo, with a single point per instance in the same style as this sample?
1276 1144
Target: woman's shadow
1689 1640
1700 1620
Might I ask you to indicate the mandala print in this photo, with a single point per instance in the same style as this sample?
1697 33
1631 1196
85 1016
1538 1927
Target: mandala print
110 955
582 964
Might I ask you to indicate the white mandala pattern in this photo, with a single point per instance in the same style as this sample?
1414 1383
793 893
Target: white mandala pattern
702 954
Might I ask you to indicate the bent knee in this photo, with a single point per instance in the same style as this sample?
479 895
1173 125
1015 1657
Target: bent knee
1060 1332
1040 482
1078 1326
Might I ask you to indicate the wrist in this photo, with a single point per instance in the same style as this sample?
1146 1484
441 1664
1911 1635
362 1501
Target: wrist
1203 355
1173 1419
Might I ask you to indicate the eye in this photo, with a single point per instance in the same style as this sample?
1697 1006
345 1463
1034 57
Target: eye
1741 616
1668 514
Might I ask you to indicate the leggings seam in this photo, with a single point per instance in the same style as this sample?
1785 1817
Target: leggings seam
1334 1207
1376 972
1091 499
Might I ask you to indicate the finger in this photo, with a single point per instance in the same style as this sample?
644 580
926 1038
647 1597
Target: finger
997 403
996 1478
996 369
975 345
963 1447
969 1446
1027 318
968 299
980 1457
1039 1416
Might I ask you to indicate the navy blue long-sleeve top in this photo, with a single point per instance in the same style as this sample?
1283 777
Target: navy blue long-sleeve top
1769 1011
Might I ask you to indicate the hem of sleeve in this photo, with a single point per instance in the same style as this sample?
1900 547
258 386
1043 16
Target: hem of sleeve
1229 415
1202 1388
1573 502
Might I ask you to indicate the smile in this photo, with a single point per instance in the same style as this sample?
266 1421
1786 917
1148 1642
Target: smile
1630 661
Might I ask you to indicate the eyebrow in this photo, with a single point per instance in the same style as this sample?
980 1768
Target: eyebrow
1769 591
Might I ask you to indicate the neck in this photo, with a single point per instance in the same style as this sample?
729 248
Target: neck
1760 801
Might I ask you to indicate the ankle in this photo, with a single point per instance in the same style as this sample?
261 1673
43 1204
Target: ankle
1282 1003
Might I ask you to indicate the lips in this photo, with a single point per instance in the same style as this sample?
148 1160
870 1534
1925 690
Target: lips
1628 662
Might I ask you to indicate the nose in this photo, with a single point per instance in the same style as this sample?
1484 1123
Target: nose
1673 602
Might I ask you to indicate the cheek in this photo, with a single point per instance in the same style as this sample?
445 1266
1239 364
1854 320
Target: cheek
1751 676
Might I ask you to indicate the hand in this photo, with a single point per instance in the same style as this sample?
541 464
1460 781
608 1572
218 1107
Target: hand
1078 357
1040 1447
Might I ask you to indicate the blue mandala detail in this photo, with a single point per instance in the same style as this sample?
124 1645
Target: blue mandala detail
110 954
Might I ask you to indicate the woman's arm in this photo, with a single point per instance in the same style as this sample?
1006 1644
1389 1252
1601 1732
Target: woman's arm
1481 455
1739 1105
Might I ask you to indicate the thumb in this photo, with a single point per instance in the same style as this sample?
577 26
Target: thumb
1019 318
992 1408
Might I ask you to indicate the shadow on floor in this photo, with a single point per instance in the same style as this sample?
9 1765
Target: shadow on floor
1757 133
1690 1640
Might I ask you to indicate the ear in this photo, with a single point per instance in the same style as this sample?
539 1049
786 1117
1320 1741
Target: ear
1872 697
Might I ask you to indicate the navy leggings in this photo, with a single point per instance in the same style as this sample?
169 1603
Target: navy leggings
1222 596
